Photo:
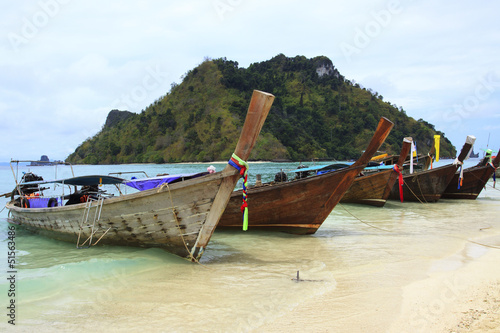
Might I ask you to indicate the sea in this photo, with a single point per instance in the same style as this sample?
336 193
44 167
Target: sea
246 279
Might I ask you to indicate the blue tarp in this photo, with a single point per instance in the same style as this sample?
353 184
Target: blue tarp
380 167
321 169
153 182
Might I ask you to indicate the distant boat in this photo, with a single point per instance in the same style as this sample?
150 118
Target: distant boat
300 206
374 188
421 162
429 185
473 181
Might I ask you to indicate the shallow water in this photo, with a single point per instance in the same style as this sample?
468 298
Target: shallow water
245 279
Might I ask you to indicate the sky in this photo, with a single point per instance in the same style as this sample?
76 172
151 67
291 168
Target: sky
64 64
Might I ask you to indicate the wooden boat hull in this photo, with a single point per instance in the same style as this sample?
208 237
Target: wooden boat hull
168 218
371 189
179 217
425 186
473 182
300 206
297 207
374 189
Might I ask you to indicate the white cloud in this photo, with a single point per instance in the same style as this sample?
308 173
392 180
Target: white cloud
77 60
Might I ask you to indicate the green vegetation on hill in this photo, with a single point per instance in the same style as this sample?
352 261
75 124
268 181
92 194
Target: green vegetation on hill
317 113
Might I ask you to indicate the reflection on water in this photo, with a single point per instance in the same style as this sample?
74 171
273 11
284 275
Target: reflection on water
245 279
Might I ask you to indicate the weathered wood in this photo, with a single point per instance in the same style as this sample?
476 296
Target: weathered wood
257 112
368 189
299 206
374 189
473 182
429 185
179 218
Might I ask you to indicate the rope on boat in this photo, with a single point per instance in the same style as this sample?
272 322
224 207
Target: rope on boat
357 218
486 183
467 240
414 192
471 241
421 192
485 245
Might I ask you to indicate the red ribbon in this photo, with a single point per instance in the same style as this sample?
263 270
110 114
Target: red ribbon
400 182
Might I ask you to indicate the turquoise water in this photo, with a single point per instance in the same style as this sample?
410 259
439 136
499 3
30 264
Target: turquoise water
245 278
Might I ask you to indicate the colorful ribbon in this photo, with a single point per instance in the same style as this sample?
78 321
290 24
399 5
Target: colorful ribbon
242 167
400 181
461 177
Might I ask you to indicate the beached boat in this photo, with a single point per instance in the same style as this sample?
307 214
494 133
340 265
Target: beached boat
421 162
374 188
300 206
179 217
429 185
472 180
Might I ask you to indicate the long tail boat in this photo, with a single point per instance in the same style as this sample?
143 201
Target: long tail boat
300 206
179 218
429 185
374 188
421 162
469 184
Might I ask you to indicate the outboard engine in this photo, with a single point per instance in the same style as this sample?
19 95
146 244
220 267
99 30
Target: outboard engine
302 174
27 189
280 177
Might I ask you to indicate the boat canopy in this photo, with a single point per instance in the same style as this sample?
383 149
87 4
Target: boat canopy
81 181
333 166
320 169
143 184
380 167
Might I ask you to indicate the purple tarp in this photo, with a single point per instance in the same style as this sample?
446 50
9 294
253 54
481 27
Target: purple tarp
41 202
149 183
